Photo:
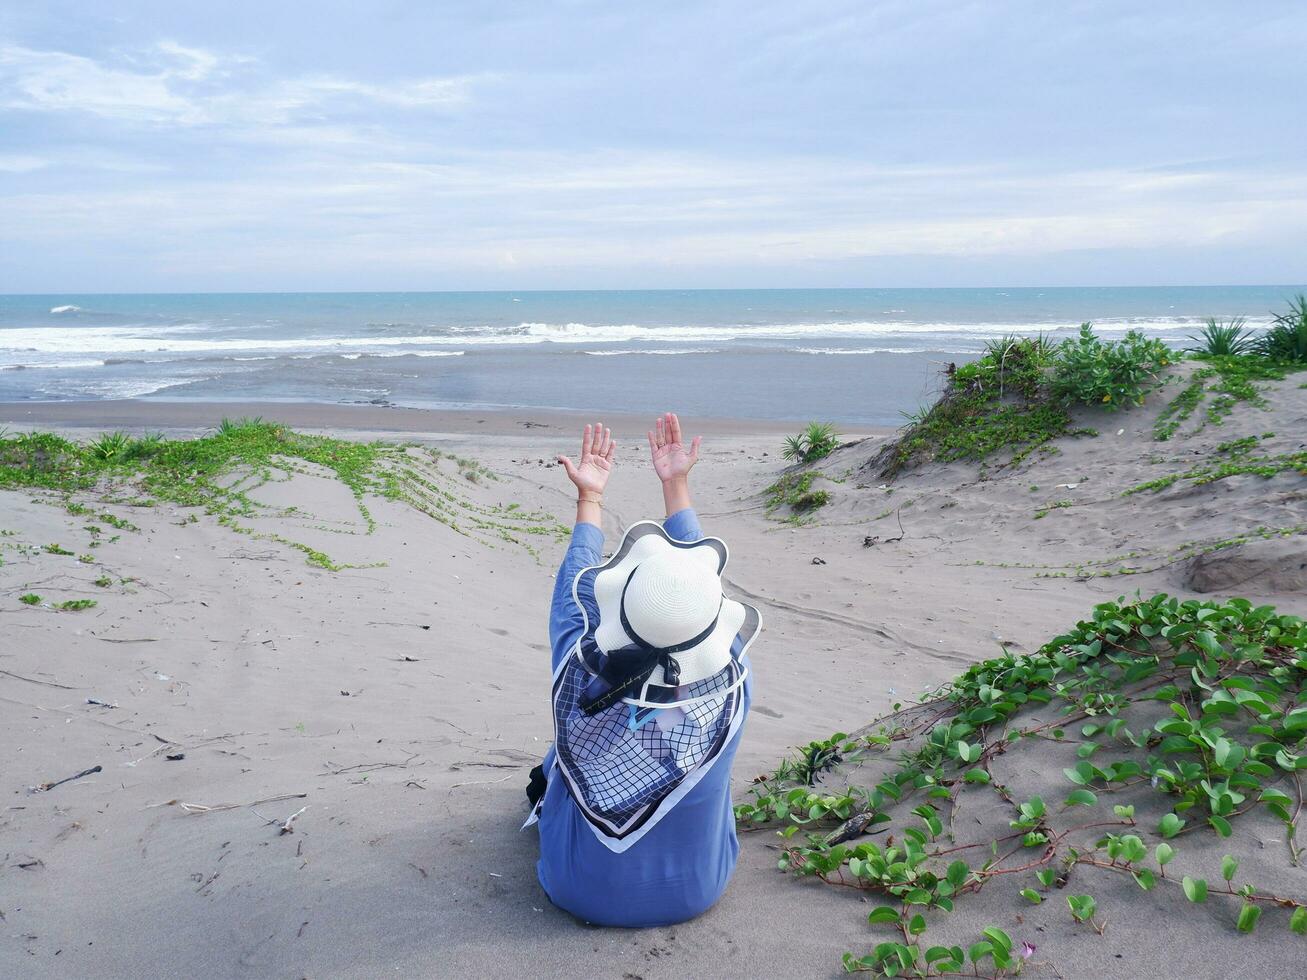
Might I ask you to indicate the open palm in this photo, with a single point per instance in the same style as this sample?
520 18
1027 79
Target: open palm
671 458
595 463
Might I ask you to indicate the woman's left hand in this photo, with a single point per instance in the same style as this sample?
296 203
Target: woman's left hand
596 461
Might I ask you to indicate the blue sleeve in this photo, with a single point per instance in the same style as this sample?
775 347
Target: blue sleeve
684 525
565 619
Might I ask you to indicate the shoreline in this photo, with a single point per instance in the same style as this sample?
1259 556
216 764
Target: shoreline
139 414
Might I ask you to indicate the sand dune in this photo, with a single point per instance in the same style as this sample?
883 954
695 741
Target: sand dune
394 707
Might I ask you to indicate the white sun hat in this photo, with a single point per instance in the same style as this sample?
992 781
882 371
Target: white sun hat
664 595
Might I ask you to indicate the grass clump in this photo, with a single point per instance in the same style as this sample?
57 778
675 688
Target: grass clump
30 599
794 490
1019 394
1286 340
1224 338
817 441
1196 706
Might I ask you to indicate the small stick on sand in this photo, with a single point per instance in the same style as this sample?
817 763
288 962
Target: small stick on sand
33 680
46 787
483 782
203 808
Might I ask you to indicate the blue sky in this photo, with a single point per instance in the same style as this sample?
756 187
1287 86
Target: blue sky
326 145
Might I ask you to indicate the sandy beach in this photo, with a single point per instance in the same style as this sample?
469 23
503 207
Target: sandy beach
313 773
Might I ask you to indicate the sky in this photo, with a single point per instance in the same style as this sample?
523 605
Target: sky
200 146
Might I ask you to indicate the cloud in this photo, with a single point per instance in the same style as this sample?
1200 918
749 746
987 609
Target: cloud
21 163
52 81
171 84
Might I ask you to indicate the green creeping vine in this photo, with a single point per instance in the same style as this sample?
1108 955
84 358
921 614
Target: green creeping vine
218 472
1200 706
1234 458
1231 378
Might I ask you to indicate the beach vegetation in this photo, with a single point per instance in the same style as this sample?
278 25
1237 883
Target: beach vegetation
104 581
1224 338
55 549
1240 461
219 474
1231 380
110 445
816 441
794 491
30 599
1286 340
1193 712
76 605
1019 395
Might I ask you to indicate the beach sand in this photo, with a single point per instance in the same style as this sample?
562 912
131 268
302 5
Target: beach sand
394 709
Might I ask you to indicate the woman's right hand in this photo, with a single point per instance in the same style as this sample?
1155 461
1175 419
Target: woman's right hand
671 459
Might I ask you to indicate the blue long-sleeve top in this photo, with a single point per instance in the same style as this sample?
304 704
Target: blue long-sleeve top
681 866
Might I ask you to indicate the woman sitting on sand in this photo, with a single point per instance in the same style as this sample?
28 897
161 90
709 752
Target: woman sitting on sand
650 689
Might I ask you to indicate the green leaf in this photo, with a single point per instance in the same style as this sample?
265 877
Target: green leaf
977 776
980 950
1221 825
1195 889
957 873
967 752
1170 825
1081 797
1082 907
1298 921
998 937
1076 776
1248 916
1164 854
1031 896
1229 866
883 913
917 925
937 954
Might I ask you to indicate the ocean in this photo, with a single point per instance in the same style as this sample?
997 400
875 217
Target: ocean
844 355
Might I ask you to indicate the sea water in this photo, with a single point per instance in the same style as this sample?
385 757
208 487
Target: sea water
846 355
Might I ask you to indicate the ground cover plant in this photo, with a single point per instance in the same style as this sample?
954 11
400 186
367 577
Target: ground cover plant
1165 727
1232 380
794 491
817 441
217 473
1238 457
1019 395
